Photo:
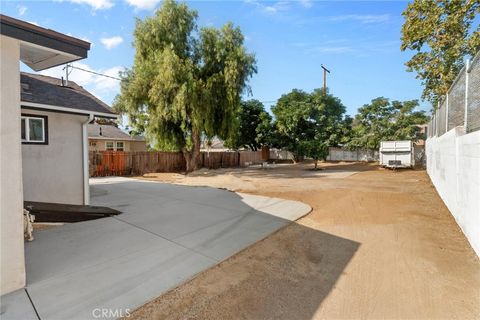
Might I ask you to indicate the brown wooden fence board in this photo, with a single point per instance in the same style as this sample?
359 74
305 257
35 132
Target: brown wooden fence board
117 163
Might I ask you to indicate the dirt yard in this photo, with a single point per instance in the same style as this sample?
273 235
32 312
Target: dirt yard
378 244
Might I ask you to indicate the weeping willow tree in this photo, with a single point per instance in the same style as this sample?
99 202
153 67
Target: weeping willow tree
184 83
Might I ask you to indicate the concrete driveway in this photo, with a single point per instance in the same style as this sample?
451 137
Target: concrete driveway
165 235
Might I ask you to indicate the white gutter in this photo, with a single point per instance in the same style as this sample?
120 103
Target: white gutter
86 173
70 110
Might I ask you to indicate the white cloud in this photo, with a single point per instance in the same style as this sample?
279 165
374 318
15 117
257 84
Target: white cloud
108 84
95 4
81 38
357 47
21 10
111 42
143 4
306 3
34 22
86 39
80 77
362 18
273 8
332 49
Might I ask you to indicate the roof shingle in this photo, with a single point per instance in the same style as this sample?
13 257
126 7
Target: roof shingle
101 131
49 91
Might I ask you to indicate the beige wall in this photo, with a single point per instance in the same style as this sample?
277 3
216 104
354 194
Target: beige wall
138 146
128 145
54 172
12 274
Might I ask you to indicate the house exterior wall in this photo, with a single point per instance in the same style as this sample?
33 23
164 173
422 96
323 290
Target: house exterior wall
128 145
54 172
12 269
100 144
138 146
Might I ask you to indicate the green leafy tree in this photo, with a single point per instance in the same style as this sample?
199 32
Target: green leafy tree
345 131
305 119
382 120
441 33
316 148
254 123
266 133
292 114
184 84
329 118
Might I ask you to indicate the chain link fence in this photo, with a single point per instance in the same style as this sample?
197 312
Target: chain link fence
456 102
442 117
473 103
461 105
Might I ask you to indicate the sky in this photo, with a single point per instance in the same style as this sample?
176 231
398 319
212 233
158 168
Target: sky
358 41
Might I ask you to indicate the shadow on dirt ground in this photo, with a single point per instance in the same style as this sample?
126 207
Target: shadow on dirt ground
379 244
291 273
303 170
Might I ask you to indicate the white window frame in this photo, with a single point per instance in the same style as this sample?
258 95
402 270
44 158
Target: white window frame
27 129
116 145
106 145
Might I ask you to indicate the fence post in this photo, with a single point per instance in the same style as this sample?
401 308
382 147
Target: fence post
467 67
446 112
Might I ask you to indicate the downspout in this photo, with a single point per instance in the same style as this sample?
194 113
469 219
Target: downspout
86 173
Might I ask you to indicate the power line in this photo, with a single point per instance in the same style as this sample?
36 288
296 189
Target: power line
97 73
115 78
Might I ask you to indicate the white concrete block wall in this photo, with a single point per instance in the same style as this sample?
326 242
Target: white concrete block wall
339 154
453 164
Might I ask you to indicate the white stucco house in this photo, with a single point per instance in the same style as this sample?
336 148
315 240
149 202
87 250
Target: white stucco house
53 117
43 141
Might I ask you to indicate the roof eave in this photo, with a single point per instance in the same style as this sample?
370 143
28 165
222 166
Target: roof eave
47 107
43 48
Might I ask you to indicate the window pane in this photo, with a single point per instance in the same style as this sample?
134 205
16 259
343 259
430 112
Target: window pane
109 145
36 129
119 146
24 135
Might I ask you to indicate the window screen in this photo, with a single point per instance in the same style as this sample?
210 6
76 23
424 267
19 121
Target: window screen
34 129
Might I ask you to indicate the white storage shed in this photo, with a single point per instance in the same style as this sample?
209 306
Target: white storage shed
397 154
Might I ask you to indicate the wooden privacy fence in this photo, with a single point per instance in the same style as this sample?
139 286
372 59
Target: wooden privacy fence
118 163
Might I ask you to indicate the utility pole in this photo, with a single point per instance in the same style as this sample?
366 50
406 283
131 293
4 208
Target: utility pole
67 73
325 70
